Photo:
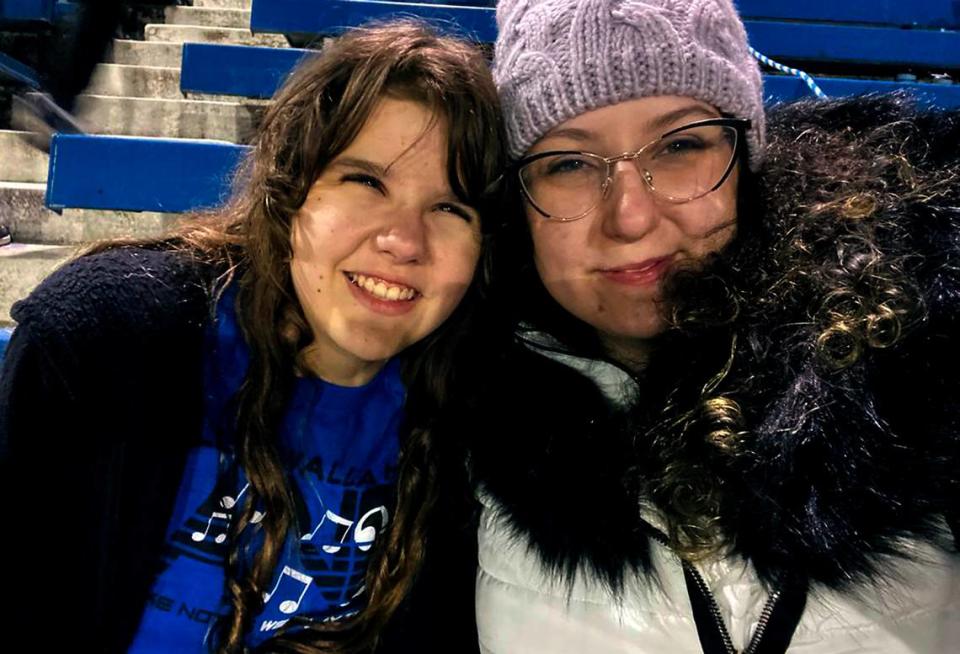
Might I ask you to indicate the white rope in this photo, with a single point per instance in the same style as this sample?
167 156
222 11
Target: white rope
767 61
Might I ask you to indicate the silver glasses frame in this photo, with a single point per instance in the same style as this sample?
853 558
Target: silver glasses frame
741 125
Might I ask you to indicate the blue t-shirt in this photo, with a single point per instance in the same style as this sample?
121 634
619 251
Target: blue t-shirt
341 448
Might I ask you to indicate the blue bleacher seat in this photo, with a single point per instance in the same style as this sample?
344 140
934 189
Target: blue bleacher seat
306 16
245 70
139 174
920 13
257 72
856 44
784 88
796 41
41 11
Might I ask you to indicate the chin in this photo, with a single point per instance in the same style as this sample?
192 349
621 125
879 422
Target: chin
632 327
374 354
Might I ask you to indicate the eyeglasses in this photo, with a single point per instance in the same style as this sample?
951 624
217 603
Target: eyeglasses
682 165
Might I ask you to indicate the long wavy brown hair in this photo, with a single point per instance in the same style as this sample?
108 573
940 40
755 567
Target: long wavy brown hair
315 116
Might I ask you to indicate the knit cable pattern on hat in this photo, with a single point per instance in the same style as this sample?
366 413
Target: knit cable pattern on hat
557 59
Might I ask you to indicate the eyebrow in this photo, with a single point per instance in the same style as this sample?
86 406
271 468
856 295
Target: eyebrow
379 170
656 124
363 164
661 122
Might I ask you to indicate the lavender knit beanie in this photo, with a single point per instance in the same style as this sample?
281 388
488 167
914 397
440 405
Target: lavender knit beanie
556 59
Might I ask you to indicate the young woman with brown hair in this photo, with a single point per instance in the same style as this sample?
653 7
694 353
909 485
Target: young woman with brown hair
222 439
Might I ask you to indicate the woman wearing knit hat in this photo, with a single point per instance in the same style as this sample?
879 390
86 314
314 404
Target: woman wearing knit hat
729 370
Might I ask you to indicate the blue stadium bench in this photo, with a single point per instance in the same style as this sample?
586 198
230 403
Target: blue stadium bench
246 70
784 88
40 11
933 14
257 72
796 41
334 16
139 174
856 44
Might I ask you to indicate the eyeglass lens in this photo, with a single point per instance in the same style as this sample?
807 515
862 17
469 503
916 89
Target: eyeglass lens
680 167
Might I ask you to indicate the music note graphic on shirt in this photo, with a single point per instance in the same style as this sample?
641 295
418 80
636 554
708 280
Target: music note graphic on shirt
366 534
198 536
228 502
340 521
289 606
309 537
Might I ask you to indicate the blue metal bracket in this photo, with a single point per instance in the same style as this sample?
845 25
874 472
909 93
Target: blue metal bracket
20 72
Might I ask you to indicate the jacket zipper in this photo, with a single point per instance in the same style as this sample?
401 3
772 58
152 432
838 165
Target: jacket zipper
715 608
762 623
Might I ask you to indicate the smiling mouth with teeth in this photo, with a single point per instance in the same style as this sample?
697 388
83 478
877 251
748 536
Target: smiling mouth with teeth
381 289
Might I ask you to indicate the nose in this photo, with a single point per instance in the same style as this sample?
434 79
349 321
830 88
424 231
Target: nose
404 237
630 211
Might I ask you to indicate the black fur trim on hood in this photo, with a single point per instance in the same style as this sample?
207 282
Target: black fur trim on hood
849 434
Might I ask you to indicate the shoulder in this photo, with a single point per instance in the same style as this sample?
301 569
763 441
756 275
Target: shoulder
117 314
118 290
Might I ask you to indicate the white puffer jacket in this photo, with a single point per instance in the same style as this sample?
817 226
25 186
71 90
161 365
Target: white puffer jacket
521 609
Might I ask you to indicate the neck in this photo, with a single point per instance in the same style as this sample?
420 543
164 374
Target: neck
632 353
338 368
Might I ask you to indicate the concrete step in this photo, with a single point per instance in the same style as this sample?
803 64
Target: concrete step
21 205
135 81
22 267
31 222
207 16
195 34
216 97
224 4
226 121
20 161
145 53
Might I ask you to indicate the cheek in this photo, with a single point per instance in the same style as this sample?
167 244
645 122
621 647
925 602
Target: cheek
456 264
462 266
554 247
710 223
302 239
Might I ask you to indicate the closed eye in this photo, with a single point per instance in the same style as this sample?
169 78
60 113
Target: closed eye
365 180
457 210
